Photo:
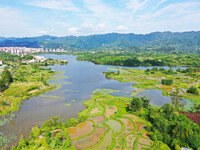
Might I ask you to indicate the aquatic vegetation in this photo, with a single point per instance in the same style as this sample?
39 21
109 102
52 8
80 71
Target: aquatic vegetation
52 96
67 104
153 78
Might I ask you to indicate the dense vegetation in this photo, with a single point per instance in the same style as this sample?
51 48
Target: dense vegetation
52 135
168 125
141 59
159 41
6 80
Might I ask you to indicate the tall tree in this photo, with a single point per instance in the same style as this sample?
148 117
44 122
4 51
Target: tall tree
6 77
176 99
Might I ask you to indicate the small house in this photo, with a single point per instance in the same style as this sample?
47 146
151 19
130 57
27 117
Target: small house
1 62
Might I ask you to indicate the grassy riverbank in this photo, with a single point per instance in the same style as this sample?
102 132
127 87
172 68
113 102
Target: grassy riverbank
151 79
28 81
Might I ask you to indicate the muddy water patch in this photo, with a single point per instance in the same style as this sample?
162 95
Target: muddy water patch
114 125
81 129
90 140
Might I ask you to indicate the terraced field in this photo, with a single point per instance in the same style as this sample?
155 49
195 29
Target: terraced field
109 126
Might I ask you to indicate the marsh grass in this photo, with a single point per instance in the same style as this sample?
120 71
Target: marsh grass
52 96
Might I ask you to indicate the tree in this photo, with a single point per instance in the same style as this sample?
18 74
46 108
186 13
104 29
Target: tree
176 98
57 140
167 82
136 104
170 71
6 77
35 132
2 86
145 102
22 143
193 90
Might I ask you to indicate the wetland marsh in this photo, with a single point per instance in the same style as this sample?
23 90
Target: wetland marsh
76 82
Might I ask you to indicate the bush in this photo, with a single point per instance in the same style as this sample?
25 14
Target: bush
193 90
136 104
177 147
167 82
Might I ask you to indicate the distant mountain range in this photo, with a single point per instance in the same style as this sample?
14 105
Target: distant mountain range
189 41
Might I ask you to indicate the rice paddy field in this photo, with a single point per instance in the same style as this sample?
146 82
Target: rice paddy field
110 126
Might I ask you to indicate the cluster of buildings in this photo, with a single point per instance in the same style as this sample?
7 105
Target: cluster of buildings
24 50
35 59
20 50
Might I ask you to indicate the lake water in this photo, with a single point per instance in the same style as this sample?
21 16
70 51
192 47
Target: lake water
78 80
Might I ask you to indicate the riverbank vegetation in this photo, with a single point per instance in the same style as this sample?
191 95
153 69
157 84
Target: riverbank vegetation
27 81
179 84
23 80
141 58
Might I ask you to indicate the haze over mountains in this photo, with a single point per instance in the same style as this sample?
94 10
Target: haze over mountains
178 41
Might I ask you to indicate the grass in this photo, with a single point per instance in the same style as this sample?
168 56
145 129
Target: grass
31 85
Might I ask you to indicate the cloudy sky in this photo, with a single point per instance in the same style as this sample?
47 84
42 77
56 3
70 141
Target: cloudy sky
21 18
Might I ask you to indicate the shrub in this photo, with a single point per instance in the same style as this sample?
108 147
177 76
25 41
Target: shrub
193 90
136 104
177 147
167 82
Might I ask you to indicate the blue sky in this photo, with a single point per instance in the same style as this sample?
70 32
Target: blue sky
20 18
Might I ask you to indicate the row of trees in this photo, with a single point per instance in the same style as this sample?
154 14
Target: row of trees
141 59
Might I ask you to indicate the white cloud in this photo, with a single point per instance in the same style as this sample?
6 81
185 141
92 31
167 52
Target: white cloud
13 22
54 4
102 11
122 28
92 28
161 2
135 5
175 17
52 30
43 32
73 30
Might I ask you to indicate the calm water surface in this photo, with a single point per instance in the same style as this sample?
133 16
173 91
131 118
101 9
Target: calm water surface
78 80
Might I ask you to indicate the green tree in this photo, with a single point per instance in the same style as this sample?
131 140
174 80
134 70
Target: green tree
145 102
57 140
2 86
193 90
176 98
6 77
167 82
136 104
35 132
22 143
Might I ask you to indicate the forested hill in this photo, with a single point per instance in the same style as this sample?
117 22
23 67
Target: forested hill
158 40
